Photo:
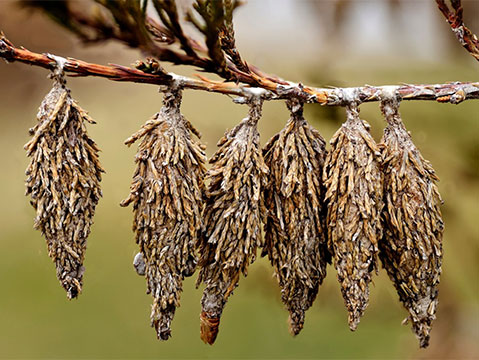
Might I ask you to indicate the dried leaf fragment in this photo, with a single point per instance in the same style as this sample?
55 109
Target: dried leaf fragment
167 196
411 251
353 181
295 231
233 214
63 181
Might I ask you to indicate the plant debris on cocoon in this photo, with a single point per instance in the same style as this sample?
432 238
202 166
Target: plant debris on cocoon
411 251
232 216
295 231
353 181
167 196
63 181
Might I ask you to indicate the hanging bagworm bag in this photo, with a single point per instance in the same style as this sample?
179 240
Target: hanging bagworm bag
411 251
167 196
63 181
353 181
233 214
295 231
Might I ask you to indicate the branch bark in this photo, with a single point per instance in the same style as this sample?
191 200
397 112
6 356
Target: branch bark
450 92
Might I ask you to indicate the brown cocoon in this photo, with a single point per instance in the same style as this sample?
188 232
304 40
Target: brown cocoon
233 214
295 231
167 196
63 181
411 251
353 183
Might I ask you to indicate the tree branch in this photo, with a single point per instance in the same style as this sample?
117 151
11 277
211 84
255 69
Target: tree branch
451 92
455 19
126 23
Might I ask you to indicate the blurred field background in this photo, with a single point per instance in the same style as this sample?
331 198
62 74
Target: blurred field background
319 43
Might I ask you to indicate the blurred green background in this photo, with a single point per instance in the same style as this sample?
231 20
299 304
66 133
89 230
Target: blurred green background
111 318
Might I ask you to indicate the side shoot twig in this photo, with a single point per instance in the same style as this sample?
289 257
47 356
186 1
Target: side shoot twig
454 17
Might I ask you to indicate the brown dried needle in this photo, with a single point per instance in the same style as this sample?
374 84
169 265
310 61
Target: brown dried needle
295 231
167 196
63 181
354 198
233 214
411 251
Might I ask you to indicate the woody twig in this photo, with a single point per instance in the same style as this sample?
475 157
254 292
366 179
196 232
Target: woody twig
454 17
